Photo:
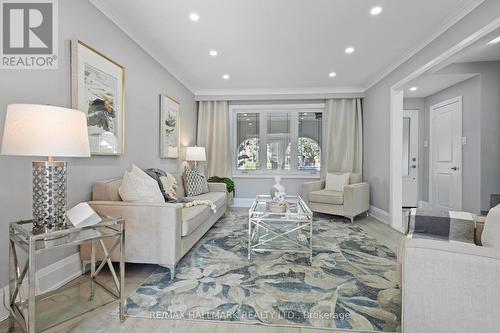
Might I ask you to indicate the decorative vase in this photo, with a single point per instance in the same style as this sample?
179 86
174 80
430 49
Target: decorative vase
277 188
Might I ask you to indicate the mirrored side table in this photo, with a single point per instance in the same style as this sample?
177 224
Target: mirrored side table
83 296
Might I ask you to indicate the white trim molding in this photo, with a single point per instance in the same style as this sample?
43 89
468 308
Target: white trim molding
278 94
453 19
48 278
380 215
59 273
4 312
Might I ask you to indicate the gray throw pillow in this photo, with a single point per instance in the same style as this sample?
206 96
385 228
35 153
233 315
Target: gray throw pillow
195 182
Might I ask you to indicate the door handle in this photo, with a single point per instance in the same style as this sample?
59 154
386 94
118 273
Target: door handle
454 168
414 166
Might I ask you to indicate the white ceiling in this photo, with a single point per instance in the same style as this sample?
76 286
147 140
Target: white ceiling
431 84
282 45
443 78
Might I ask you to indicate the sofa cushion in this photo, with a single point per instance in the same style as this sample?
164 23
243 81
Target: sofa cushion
218 198
328 197
193 217
491 230
106 190
181 193
195 183
137 186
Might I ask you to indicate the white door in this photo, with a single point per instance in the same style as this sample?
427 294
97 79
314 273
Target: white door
410 158
446 154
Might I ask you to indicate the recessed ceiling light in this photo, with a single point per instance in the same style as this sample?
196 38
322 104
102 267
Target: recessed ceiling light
250 124
494 41
245 114
332 74
349 50
213 53
413 89
376 10
194 17
225 77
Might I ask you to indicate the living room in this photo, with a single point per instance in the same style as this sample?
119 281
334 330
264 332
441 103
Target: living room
239 166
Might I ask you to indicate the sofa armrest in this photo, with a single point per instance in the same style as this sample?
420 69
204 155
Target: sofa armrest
309 187
450 287
356 199
152 230
217 187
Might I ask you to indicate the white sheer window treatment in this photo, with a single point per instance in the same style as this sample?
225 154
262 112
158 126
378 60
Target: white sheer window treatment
214 135
342 149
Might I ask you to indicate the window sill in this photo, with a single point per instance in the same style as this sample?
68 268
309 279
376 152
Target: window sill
272 175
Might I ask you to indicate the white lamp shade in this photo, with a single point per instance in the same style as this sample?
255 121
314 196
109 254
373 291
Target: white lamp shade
195 154
44 130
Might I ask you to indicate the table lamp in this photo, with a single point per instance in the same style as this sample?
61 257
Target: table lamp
44 130
196 154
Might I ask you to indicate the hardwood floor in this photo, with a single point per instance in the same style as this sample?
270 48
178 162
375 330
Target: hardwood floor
136 274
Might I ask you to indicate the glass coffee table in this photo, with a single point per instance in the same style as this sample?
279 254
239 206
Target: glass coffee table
288 231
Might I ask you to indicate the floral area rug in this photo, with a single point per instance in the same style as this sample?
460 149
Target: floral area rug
350 283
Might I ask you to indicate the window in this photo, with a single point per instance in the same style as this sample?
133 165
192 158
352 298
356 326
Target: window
277 138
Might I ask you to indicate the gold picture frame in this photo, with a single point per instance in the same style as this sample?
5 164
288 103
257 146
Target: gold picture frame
98 89
170 127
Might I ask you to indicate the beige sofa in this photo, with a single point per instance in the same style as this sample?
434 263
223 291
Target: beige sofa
354 200
452 286
157 233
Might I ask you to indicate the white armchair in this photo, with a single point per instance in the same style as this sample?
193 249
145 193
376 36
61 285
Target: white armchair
354 200
452 286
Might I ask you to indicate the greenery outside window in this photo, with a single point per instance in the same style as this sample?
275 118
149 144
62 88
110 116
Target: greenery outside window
277 139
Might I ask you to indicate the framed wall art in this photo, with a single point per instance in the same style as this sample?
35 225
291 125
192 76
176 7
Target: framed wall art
170 130
98 89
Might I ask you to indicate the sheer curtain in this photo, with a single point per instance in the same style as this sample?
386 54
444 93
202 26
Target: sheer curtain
214 135
342 136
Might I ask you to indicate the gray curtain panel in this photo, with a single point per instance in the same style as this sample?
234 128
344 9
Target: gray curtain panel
214 135
342 136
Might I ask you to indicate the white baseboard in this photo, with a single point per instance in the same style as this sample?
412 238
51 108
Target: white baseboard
380 215
48 278
243 202
59 273
4 312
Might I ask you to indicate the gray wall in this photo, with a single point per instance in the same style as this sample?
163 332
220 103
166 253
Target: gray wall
481 127
470 90
377 100
145 80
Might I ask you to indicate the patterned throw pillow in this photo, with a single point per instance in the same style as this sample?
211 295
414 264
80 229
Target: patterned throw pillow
195 182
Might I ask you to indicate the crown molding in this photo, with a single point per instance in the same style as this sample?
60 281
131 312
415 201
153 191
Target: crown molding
278 94
453 19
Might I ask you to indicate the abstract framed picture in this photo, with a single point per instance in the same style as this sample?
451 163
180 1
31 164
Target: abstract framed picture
170 130
98 89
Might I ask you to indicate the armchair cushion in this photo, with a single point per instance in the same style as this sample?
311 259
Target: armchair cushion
491 231
328 197
336 182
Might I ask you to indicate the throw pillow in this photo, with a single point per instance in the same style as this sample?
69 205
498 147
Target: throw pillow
195 183
491 232
169 185
336 182
137 186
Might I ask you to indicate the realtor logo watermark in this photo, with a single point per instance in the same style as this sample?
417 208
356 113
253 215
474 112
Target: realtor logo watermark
29 34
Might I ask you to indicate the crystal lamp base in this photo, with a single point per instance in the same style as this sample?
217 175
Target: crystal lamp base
49 195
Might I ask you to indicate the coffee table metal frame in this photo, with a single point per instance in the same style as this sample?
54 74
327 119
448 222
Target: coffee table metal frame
267 230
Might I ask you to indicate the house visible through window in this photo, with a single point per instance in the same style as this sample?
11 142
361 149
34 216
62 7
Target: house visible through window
281 139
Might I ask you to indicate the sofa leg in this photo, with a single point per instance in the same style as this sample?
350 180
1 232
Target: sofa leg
352 219
172 270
